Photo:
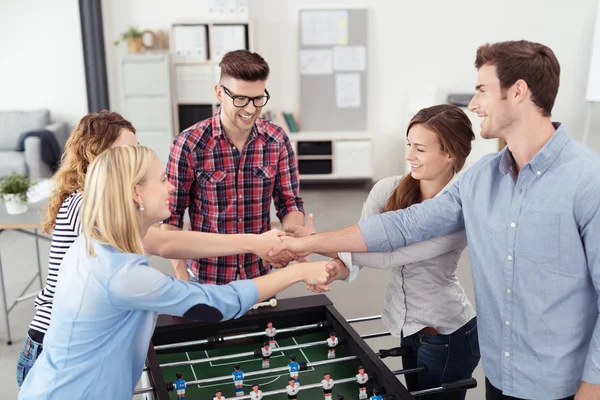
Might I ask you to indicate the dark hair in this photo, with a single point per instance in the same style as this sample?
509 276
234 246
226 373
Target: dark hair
455 132
532 62
179 375
236 367
293 357
244 65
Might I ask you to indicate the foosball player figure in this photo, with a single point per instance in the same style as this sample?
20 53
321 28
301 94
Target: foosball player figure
180 386
294 367
327 383
340 397
376 395
238 380
292 389
362 379
219 395
332 342
271 332
266 355
256 393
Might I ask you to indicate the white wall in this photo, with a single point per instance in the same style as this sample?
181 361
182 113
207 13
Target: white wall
41 54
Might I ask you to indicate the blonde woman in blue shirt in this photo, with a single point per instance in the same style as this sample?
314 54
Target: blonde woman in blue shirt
107 296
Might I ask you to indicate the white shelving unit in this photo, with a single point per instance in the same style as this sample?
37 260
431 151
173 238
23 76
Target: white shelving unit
333 155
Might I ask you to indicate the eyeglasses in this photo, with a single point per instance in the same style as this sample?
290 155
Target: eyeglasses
243 101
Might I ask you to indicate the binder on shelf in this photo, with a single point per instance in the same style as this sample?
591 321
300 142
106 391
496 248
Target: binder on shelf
226 38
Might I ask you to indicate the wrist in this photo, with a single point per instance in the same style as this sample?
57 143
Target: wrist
250 243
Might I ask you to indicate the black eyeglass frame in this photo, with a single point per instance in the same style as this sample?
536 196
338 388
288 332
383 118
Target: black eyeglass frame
248 99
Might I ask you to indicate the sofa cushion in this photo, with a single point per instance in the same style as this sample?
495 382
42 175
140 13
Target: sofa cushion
14 123
12 161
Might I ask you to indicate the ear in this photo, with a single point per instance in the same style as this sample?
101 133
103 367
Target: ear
136 194
521 91
219 93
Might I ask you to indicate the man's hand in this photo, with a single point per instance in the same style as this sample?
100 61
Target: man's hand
588 391
314 273
298 246
265 242
302 231
336 270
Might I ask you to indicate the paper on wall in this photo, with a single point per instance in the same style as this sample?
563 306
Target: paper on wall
322 28
315 62
347 90
349 58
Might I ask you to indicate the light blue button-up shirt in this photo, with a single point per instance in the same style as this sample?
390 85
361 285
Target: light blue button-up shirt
104 314
534 242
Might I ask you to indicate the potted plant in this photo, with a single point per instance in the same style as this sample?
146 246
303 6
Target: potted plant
133 37
13 190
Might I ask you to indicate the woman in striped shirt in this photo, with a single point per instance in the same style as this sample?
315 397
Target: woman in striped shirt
94 134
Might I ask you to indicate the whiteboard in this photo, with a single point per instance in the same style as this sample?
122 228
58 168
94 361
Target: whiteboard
593 88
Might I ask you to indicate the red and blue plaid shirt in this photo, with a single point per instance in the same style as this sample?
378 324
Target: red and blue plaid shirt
228 191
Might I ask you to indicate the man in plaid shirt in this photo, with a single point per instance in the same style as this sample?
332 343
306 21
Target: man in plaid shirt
226 169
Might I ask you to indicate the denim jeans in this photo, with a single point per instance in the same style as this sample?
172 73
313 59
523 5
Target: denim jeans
30 351
447 358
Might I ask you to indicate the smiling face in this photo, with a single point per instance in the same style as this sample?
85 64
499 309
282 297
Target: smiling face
239 119
427 161
153 193
491 104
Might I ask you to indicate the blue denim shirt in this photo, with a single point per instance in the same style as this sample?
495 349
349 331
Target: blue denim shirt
534 242
104 313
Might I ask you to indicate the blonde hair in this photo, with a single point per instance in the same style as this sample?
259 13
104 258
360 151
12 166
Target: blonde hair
93 134
109 213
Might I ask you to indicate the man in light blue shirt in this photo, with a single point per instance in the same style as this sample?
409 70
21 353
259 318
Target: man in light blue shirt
532 218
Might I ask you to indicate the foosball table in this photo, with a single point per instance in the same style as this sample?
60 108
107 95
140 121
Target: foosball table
298 348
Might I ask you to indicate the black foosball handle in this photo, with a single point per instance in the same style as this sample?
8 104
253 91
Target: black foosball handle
462 384
395 352
303 365
170 386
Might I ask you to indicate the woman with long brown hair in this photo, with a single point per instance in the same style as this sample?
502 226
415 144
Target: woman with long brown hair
425 304
95 133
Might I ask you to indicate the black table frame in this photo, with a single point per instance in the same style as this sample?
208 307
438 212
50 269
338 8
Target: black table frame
288 313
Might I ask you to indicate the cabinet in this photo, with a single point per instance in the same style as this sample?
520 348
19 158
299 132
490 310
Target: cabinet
333 155
146 99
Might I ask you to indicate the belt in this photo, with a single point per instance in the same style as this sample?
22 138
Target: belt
429 331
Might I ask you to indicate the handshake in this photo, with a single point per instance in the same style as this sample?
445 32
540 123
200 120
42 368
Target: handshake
280 248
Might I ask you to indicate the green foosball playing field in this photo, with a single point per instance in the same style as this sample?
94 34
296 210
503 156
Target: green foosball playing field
268 381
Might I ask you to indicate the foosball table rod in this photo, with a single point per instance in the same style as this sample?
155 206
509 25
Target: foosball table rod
363 319
462 384
221 339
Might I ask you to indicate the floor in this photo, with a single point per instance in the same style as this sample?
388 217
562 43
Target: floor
333 207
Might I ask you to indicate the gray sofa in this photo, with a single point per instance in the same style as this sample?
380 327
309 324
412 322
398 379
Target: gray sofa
28 162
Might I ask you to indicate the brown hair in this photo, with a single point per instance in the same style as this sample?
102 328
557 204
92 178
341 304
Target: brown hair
245 66
95 133
534 63
455 133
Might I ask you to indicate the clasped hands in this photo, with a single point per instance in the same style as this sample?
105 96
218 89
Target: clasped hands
280 248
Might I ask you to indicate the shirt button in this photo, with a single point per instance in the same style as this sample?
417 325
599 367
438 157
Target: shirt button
509 257
539 173
507 323
508 291
239 220
512 224
506 354
240 196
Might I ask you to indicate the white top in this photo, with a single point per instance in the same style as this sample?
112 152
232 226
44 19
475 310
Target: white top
220 398
327 384
266 353
332 343
293 390
256 396
423 289
362 378
271 332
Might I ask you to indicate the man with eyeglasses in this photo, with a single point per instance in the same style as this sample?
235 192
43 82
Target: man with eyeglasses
228 168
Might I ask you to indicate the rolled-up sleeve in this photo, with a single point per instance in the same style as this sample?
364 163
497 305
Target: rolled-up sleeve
180 173
286 193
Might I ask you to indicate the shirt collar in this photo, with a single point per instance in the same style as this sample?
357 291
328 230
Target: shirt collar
217 128
544 158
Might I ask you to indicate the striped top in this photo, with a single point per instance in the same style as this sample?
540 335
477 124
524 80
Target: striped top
67 229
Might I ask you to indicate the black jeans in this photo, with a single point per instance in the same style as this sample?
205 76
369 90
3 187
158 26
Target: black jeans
493 393
448 358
